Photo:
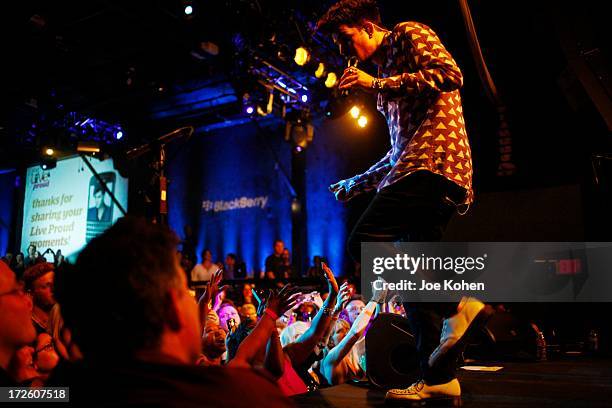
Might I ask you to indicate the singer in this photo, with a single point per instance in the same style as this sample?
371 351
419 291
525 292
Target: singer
425 176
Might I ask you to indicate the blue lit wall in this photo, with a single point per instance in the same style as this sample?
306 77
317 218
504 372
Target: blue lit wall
225 165
236 162
326 226
7 190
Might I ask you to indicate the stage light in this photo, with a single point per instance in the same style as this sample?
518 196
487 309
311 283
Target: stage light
250 110
362 121
355 111
331 80
118 134
87 146
49 151
296 206
304 98
48 163
320 70
188 10
301 56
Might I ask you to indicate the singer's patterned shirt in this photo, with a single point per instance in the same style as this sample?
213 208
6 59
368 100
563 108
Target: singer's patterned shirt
421 103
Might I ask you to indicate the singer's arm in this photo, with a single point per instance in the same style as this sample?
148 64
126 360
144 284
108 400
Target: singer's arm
437 70
369 179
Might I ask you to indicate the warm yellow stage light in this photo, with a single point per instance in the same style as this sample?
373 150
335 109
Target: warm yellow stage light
331 80
320 70
355 111
362 121
49 151
301 56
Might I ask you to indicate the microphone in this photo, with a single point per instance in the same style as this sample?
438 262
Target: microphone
168 137
351 62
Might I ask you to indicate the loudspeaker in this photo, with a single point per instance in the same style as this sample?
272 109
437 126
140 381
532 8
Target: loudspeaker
391 357
505 337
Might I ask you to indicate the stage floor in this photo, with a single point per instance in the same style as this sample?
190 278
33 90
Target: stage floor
570 382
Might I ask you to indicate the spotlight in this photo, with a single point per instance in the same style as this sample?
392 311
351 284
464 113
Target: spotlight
88 147
304 98
188 10
362 121
49 151
331 80
118 134
48 163
301 56
250 110
355 111
320 70
296 206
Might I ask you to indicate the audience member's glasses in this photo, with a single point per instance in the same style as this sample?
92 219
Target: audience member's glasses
19 291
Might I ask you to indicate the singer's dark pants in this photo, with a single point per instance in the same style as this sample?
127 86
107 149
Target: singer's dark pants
414 209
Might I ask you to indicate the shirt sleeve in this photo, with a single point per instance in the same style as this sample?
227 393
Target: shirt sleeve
436 68
369 179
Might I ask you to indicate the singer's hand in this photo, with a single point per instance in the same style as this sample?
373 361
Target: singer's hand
356 78
342 189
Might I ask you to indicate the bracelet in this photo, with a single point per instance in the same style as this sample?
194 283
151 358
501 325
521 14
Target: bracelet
271 314
328 311
377 84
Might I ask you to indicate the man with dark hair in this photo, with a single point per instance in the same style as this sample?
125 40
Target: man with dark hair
100 211
425 175
139 331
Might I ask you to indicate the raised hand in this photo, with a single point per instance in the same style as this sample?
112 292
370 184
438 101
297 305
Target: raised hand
332 285
280 301
344 295
379 295
212 290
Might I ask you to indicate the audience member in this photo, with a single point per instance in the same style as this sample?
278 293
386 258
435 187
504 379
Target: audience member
213 345
18 265
39 283
229 269
354 307
58 258
345 360
228 312
274 263
247 294
142 344
203 271
316 269
7 258
32 257
16 326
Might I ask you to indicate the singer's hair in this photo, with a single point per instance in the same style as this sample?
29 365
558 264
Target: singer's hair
348 12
